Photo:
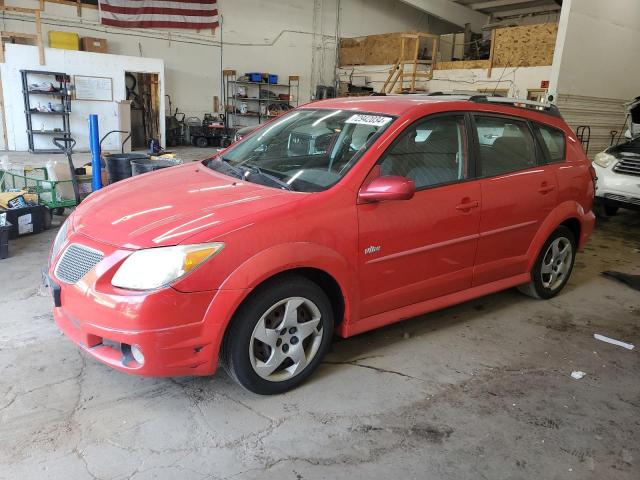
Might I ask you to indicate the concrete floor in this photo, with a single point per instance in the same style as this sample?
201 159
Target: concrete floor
481 390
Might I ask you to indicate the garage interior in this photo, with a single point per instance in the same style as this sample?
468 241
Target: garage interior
503 386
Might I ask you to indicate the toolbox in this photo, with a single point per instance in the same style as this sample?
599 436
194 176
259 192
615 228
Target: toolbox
26 220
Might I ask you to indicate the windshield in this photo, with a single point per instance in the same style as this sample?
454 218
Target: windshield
306 150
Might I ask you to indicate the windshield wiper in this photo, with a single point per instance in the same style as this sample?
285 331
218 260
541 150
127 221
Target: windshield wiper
242 171
225 167
255 170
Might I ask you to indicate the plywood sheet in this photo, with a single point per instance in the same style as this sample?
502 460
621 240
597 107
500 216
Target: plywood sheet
383 49
462 64
525 46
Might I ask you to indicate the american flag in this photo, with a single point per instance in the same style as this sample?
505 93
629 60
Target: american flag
191 14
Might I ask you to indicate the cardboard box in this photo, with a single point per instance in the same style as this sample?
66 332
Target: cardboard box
65 40
92 44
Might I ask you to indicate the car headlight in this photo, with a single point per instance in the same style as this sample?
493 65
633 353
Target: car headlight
60 238
604 159
157 267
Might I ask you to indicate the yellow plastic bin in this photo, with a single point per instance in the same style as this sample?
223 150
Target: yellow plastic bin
65 40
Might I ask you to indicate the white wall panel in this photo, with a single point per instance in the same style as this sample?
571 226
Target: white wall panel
24 57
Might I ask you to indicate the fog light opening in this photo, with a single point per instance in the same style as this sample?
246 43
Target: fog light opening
137 354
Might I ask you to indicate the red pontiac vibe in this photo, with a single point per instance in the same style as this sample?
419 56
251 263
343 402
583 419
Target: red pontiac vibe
337 218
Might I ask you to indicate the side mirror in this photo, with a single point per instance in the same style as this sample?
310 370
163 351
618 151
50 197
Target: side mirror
388 188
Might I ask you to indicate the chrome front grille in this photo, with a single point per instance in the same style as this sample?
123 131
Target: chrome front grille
75 263
623 198
628 166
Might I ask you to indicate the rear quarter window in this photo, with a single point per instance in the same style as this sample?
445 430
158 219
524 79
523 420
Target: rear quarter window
553 141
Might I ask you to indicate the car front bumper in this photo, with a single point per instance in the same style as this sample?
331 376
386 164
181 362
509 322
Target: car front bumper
178 333
616 189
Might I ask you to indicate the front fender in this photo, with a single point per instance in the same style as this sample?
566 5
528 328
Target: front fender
563 212
238 285
288 256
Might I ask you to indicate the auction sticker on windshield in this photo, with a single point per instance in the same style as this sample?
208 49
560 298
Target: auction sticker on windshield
375 120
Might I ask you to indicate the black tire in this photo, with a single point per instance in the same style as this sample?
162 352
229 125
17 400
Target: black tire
603 212
48 215
58 211
235 355
536 288
202 142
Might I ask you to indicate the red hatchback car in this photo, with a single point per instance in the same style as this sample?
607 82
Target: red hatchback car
339 217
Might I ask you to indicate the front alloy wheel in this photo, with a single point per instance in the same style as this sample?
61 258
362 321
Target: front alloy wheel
286 338
279 335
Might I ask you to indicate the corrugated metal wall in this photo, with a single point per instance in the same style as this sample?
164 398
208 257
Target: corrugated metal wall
603 115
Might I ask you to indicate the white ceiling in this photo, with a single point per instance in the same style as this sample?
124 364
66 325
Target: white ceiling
500 8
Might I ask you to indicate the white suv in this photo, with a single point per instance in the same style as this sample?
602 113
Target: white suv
618 171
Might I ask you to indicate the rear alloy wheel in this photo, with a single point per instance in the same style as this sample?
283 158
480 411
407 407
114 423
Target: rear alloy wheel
553 267
278 336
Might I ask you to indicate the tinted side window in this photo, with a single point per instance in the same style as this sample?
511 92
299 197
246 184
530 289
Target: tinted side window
431 152
506 145
553 139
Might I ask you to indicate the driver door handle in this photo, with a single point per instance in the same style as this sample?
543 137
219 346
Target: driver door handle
466 206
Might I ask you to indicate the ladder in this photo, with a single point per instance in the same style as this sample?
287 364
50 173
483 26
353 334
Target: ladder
398 71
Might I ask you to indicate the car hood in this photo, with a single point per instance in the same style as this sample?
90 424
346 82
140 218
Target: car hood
631 147
168 206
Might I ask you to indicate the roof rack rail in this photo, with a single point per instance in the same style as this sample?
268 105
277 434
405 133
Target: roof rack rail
548 108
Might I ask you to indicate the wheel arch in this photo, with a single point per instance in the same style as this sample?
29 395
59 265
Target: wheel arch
319 263
569 214
573 224
324 280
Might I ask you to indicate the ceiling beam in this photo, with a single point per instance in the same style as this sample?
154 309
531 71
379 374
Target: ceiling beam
527 11
497 4
451 12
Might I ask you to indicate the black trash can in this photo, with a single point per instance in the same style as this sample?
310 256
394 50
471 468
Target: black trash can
138 167
119 165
